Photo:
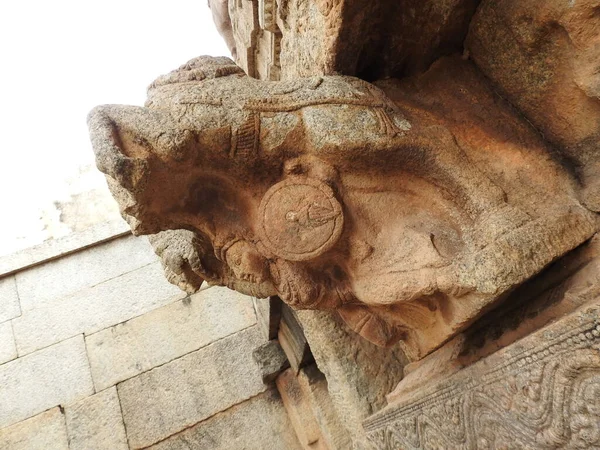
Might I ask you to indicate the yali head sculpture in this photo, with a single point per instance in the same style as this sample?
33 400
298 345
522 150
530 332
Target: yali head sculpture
329 194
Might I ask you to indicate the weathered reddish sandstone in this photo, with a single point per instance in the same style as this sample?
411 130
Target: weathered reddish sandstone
369 160
409 208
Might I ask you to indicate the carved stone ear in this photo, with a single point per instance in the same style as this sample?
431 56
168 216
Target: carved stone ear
300 219
129 143
120 132
106 124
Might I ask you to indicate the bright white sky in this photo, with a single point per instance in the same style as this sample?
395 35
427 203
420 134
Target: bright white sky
59 59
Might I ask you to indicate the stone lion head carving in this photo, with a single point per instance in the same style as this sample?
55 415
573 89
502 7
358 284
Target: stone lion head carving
324 192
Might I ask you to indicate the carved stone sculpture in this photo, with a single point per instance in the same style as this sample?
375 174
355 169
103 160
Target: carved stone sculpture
410 206
428 172
527 377
541 394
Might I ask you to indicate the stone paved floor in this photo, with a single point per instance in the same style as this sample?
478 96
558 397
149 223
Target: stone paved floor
98 351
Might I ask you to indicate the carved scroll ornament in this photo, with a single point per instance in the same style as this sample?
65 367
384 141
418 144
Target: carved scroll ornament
543 393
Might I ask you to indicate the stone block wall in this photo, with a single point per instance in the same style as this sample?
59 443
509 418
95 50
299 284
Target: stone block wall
99 351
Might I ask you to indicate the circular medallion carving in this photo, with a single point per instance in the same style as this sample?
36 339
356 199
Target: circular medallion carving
300 219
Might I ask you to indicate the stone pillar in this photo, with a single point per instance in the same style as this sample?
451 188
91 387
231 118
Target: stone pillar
359 374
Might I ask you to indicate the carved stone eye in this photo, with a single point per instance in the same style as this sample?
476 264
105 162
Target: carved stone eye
175 144
300 219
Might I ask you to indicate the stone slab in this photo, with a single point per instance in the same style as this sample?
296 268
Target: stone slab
256 424
172 397
53 376
45 431
167 333
292 340
9 299
299 411
313 385
95 308
55 248
271 359
96 423
8 349
268 314
43 285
